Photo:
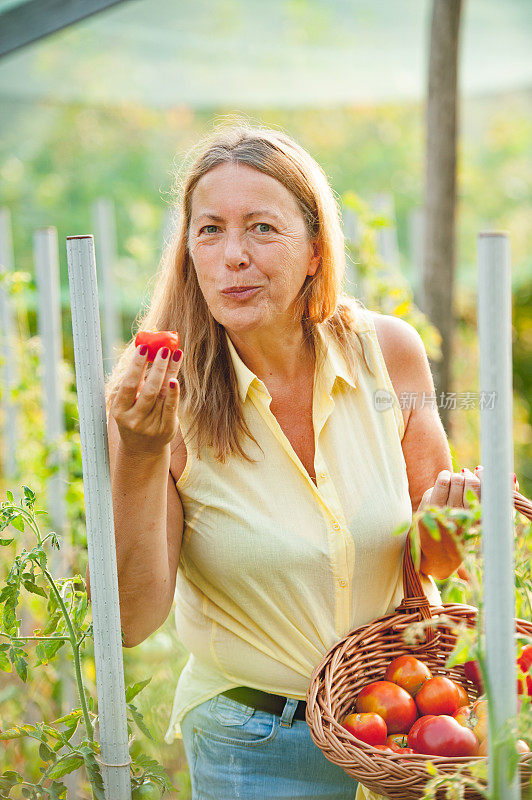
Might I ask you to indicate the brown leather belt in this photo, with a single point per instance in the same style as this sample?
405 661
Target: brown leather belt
264 701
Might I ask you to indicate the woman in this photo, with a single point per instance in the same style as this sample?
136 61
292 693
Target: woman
261 464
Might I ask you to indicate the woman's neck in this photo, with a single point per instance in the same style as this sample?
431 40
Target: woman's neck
281 360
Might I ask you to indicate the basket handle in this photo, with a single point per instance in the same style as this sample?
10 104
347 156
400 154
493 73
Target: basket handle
415 599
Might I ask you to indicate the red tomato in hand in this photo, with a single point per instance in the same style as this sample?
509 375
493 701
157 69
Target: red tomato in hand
157 339
472 673
441 735
369 728
408 672
438 695
395 705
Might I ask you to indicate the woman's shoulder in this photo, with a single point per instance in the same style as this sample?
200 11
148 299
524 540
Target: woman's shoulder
398 339
403 352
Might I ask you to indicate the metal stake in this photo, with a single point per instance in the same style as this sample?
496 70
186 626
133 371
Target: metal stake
496 441
99 515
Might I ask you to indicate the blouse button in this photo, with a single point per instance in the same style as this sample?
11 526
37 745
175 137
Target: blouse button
343 583
323 475
336 526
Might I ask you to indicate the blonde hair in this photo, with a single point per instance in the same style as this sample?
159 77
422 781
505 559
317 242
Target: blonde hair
208 384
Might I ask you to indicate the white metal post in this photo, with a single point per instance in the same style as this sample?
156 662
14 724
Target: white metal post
50 333
105 226
9 364
496 440
49 327
99 515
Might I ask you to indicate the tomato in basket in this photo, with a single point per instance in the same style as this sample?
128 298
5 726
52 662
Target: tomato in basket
442 735
408 672
157 339
438 695
524 662
463 695
412 739
369 728
398 742
394 704
472 672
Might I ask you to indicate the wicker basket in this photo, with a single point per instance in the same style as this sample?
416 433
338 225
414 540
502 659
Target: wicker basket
361 657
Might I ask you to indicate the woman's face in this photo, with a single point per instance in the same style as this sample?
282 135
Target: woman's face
247 230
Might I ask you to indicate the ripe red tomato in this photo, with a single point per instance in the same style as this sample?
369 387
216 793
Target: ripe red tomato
472 673
408 672
395 705
478 721
463 715
397 740
157 339
438 695
463 695
524 662
475 717
412 739
369 728
525 658
441 735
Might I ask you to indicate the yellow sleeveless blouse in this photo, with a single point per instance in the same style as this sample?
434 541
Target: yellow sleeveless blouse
274 570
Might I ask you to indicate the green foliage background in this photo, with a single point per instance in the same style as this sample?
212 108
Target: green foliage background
55 160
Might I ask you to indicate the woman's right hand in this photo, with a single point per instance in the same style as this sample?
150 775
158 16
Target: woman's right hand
146 410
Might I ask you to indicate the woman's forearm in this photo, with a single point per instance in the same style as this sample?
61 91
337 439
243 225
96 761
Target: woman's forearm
139 489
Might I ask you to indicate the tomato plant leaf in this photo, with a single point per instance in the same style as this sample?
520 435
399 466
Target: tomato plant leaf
133 690
21 666
70 717
464 648
34 589
66 765
93 771
137 716
5 663
8 779
18 523
5 542
45 753
29 496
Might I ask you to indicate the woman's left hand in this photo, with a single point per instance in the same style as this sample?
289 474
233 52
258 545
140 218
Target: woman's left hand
442 558
450 489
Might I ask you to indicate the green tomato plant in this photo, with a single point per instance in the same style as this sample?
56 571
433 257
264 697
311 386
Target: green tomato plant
67 622
464 524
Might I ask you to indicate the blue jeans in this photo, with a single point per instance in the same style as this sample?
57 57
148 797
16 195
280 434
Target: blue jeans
234 751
